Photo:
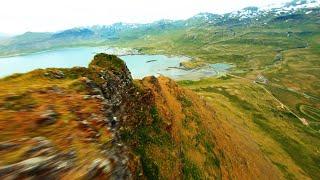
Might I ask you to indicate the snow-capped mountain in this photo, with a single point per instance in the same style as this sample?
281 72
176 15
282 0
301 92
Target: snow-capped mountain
263 15
276 9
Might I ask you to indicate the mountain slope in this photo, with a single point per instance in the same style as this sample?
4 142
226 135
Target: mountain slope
257 114
199 144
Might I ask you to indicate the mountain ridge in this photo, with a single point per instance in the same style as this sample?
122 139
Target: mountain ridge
104 35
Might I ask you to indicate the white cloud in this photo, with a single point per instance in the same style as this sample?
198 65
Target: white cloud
17 16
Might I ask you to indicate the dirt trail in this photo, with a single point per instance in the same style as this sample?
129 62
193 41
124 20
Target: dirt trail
282 105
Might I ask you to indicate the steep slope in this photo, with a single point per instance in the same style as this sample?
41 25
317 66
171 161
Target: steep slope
188 140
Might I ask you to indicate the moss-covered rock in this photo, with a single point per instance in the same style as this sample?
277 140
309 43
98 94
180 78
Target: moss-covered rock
107 61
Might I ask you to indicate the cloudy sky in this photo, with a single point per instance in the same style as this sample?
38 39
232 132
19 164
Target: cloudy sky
18 16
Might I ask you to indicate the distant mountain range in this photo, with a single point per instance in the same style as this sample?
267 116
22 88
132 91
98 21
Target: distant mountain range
4 36
29 42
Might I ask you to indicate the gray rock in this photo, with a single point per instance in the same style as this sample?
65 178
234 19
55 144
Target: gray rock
43 145
7 145
98 166
98 97
85 97
58 74
71 154
47 118
93 169
96 91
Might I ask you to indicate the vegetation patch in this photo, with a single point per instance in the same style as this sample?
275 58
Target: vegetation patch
185 101
233 98
19 102
150 168
107 61
297 151
190 170
284 170
144 136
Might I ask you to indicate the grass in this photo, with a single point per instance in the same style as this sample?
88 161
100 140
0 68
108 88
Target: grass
147 136
296 150
23 101
185 101
177 135
150 168
106 60
250 107
284 170
190 170
234 98
211 159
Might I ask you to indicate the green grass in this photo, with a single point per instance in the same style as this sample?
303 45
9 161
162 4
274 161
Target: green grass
146 136
301 155
150 168
185 101
211 158
107 61
252 104
19 102
233 98
190 170
284 170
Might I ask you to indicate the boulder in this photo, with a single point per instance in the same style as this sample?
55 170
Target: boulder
7 145
48 117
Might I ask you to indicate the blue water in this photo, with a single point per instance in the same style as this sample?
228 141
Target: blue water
62 58
139 65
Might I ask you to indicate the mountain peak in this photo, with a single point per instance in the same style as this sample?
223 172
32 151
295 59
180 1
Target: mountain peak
74 32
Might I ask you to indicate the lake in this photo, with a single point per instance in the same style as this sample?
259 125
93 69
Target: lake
139 65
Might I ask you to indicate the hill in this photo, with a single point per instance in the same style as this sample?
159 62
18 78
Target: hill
97 122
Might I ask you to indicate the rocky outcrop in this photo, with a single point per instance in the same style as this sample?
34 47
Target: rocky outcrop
48 117
122 103
40 159
108 81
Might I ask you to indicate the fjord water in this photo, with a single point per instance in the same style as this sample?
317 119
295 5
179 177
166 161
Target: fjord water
139 65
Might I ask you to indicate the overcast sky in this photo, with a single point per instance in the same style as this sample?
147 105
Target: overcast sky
18 16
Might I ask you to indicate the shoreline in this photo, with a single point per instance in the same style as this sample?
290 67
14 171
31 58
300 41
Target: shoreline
105 49
46 51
